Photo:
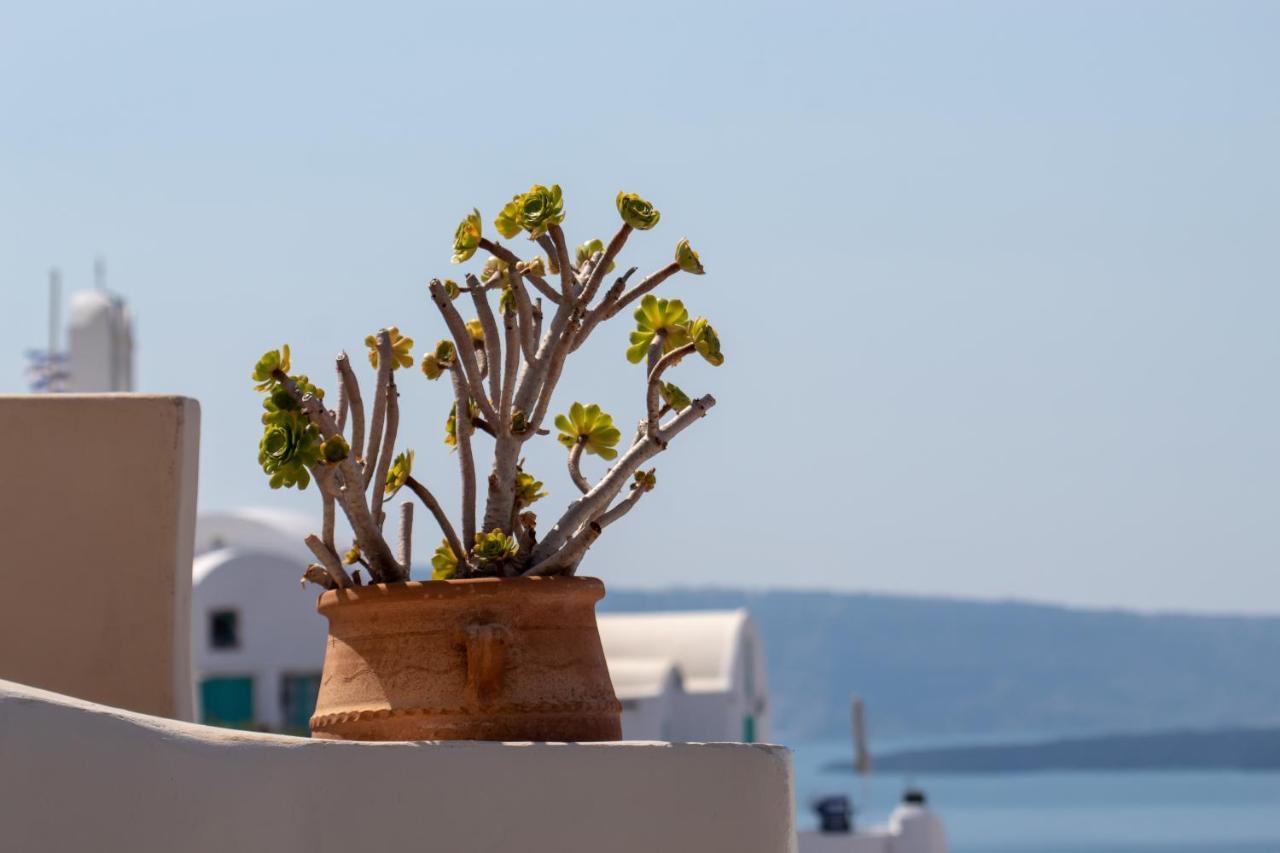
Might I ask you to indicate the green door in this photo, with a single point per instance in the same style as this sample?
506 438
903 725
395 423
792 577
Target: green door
227 701
298 695
749 728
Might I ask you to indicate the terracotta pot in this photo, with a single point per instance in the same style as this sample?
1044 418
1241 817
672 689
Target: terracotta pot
479 659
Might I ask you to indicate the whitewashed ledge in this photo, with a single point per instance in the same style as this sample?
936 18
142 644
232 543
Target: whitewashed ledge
78 776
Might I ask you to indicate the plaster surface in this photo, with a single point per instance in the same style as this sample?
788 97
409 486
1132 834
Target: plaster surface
98 510
74 775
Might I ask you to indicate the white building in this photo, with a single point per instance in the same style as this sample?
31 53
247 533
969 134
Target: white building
694 676
259 644
99 343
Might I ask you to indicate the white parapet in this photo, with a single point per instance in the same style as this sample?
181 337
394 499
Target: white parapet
79 776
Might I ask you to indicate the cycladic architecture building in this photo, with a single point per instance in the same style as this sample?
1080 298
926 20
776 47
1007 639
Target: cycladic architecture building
259 645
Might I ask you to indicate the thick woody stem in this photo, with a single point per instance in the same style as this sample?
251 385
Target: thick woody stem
561 561
601 311
354 403
552 376
466 350
601 268
405 551
383 340
329 561
466 463
388 448
575 473
643 287
382 565
602 494
537 321
433 506
655 383
504 254
492 343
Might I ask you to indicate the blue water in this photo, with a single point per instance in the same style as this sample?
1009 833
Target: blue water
1112 812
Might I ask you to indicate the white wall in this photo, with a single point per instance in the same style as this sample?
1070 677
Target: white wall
77 776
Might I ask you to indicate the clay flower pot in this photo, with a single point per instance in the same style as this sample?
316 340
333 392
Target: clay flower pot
477 659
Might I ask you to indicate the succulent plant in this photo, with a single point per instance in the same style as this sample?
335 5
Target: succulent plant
658 318
503 367
398 473
590 427
289 447
687 259
493 547
435 363
589 248
528 489
444 565
673 396
467 238
636 212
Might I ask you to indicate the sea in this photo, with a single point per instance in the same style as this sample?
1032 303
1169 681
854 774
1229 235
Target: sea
1061 812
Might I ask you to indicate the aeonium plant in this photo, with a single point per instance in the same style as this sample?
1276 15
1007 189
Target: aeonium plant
504 364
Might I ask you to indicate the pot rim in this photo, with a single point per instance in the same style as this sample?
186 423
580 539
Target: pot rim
461 589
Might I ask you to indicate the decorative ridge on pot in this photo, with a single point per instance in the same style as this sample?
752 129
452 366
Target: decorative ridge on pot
469 587
503 368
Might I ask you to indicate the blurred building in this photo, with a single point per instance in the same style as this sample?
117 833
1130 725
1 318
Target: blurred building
99 333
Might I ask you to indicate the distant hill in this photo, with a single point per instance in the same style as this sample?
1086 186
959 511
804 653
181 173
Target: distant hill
1225 749
934 667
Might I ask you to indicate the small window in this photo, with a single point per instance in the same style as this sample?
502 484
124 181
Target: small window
224 629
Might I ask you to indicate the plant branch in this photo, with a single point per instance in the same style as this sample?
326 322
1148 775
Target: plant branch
354 403
512 333
466 463
655 383
602 311
502 253
561 561
405 552
388 448
383 341
341 412
647 284
524 310
433 506
466 349
492 343
602 494
601 269
315 573
329 561
567 284
575 473
382 565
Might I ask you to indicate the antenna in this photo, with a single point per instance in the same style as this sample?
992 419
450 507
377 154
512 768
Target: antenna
99 273
55 298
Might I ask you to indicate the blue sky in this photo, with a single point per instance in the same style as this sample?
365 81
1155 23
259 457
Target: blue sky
996 281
